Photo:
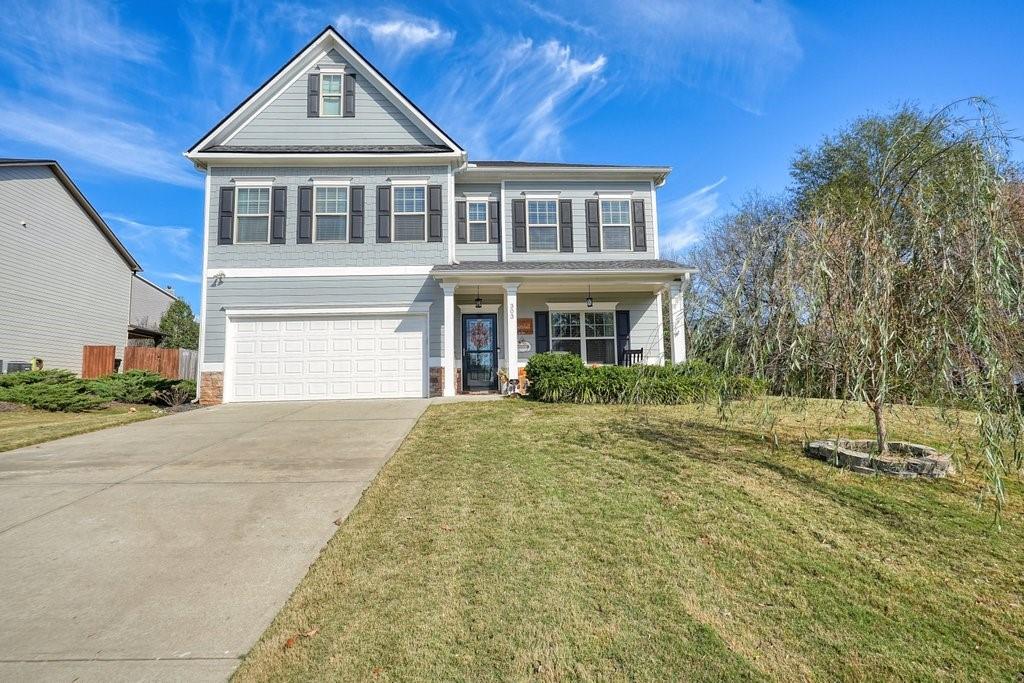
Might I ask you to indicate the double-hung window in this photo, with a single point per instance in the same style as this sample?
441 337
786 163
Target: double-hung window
330 94
476 213
331 211
410 209
542 224
589 335
616 230
252 214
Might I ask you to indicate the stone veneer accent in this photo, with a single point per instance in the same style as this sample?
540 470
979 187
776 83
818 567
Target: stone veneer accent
211 388
905 460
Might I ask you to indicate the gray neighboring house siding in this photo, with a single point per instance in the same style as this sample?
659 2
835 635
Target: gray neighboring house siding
293 254
284 121
313 292
62 285
578 191
478 251
149 303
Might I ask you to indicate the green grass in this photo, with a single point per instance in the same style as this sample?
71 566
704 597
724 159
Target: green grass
27 427
515 540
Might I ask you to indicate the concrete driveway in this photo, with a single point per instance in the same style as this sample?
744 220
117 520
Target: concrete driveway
162 550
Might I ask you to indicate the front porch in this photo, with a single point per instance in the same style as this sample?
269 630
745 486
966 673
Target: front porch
497 315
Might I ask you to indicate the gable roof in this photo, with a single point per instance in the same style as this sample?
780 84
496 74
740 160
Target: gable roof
77 195
326 39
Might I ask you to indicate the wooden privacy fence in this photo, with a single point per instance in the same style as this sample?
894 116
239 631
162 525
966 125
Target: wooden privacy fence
97 361
170 363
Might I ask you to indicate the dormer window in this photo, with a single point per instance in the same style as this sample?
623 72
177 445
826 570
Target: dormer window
330 94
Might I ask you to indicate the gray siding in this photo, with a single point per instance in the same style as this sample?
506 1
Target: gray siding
377 120
578 192
313 292
62 285
149 304
478 251
292 254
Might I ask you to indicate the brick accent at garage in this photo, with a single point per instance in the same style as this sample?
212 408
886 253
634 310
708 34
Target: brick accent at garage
211 390
437 381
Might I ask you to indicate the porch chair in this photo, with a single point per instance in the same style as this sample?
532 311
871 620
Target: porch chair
632 357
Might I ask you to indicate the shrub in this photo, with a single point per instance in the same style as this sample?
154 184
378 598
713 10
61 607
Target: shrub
64 393
134 386
177 394
642 384
553 365
35 377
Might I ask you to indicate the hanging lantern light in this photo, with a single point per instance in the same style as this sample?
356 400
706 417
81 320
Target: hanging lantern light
478 302
590 299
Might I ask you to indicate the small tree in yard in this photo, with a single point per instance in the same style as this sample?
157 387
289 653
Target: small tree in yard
179 327
900 277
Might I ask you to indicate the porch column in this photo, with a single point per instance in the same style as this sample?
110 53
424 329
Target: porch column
677 320
511 333
448 335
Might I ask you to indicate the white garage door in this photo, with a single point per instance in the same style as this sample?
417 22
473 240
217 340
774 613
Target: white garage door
285 359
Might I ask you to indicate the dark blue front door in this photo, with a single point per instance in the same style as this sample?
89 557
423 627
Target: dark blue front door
479 352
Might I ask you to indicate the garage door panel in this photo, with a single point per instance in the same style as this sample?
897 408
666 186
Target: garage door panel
326 358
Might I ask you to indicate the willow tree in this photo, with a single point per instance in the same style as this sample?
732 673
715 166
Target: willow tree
900 278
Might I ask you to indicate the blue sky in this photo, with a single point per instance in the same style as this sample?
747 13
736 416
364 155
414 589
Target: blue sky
724 92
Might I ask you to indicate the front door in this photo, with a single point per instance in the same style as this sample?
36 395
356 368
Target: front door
480 352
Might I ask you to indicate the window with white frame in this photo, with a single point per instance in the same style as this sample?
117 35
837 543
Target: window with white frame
330 94
252 214
409 203
476 212
593 340
615 225
542 224
331 214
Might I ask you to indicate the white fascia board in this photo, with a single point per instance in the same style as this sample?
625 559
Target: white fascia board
203 159
322 271
657 174
253 180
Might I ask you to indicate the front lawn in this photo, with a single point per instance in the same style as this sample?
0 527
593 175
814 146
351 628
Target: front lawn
517 540
26 426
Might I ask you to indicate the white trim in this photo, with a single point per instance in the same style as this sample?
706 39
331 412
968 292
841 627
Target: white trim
359 64
246 159
340 95
253 181
667 272
328 180
419 308
502 208
654 218
661 332
347 214
237 215
484 308
451 216
322 271
409 179
202 292
331 68
573 307
426 208
613 195
628 225
487 221
211 367
558 231
535 195
583 338
478 196
448 339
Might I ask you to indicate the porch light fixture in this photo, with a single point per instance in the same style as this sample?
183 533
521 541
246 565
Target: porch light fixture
478 302
590 299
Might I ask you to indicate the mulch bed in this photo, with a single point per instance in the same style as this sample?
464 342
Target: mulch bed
8 407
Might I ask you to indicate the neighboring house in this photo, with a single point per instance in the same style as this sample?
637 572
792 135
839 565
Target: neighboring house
66 280
353 250
149 303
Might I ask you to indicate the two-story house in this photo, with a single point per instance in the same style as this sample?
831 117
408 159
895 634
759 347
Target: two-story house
353 249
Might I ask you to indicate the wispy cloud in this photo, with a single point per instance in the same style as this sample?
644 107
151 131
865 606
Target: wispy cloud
683 219
399 33
559 19
180 277
517 101
144 237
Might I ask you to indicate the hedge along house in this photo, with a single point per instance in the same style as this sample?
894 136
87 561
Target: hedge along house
353 250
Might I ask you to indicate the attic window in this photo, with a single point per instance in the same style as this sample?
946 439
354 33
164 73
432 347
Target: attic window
330 94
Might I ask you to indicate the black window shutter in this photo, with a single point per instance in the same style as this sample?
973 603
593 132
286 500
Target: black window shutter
621 334
226 219
540 331
383 213
518 225
433 213
279 209
494 218
639 226
313 96
460 222
565 224
349 99
304 235
355 210
593 225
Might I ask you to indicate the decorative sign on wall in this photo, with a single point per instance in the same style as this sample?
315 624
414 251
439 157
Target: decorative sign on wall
524 326
524 346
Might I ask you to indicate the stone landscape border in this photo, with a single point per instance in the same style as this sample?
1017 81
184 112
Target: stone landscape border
905 460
